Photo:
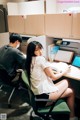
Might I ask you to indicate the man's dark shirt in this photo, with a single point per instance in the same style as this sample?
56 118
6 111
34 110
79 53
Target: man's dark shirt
11 59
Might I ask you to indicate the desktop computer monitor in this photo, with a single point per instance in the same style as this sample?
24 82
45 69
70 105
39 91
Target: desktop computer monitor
76 61
64 56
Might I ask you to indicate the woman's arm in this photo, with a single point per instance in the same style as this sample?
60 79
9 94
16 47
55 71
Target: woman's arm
50 73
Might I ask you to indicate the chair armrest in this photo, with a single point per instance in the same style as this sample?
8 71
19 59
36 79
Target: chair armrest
18 75
41 99
19 70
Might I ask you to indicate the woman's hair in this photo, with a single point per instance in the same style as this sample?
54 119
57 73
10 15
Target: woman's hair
30 53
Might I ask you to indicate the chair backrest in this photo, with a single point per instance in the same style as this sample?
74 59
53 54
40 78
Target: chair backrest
31 95
8 80
25 78
4 77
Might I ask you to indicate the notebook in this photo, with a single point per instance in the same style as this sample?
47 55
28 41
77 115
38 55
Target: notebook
64 56
76 61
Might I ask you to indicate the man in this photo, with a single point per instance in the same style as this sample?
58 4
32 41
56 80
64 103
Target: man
11 58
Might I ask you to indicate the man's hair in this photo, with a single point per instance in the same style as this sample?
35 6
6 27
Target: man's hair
14 37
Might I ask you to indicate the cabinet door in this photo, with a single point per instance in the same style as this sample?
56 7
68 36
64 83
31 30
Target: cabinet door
76 26
34 25
58 25
16 24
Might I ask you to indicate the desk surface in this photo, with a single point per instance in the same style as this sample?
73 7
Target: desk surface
73 73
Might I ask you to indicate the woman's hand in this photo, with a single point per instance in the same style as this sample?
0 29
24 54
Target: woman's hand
67 69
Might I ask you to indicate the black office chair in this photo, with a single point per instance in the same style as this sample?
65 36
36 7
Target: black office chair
55 111
8 86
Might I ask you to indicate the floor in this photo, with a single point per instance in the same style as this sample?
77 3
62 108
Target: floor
21 113
13 114
20 110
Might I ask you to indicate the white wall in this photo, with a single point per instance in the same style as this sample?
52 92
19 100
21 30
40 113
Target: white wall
4 38
58 6
16 0
53 6
25 8
66 4
5 1
50 6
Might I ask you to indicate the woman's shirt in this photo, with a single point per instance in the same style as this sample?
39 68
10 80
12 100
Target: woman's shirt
40 82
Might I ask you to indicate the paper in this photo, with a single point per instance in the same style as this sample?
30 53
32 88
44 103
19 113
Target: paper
59 66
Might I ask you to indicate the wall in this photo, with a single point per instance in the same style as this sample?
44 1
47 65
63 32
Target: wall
4 2
50 6
4 38
53 6
62 5
25 8
58 6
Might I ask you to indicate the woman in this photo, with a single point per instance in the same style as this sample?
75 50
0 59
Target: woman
42 78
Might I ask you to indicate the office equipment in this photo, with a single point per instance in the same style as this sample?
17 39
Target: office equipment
64 56
76 61
70 45
52 50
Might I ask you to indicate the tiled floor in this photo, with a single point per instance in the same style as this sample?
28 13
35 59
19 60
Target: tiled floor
20 112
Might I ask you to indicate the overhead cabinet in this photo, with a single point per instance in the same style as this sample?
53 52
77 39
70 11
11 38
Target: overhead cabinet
16 24
29 24
53 25
34 25
63 25
58 25
76 26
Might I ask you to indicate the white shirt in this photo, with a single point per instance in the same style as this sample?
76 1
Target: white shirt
40 82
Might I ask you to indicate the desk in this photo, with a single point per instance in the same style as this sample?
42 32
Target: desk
73 73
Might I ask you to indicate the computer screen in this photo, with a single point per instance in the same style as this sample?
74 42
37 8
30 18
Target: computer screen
76 61
64 56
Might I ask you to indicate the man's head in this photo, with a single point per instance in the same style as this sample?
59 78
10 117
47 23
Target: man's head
15 39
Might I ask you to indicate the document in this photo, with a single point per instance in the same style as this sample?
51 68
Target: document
58 66
73 73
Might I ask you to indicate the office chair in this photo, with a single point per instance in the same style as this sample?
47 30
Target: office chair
7 86
45 112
